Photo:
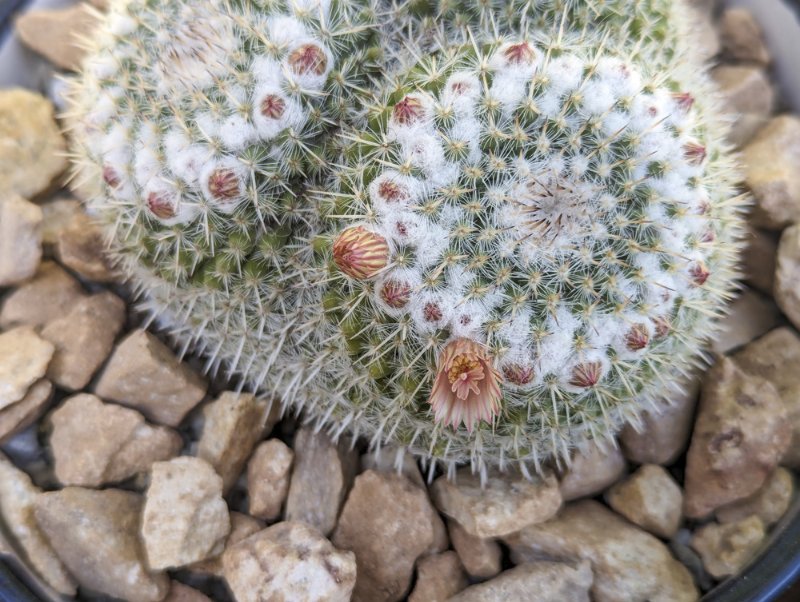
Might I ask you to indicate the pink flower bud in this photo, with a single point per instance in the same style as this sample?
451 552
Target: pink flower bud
408 110
586 375
694 152
308 58
517 374
637 337
395 294
272 106
360 253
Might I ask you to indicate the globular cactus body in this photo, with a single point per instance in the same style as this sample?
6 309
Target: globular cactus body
490 254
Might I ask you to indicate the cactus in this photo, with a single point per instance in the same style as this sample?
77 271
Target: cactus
489 254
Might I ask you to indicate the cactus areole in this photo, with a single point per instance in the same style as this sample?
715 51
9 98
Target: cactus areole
484 241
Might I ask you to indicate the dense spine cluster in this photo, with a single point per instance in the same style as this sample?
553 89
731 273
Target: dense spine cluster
484 242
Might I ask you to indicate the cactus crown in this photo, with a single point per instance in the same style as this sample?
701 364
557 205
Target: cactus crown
491 253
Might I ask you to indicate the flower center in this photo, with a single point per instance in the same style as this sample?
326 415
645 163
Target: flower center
461 368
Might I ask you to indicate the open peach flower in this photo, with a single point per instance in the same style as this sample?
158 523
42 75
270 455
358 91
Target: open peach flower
467 387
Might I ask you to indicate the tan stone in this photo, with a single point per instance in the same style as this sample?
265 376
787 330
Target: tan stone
787 289
439 576
750 316
23 360
20 239
391 459
242 527
628 563
591 470
42 299
17 495
504 504
725 549
323 474
386 522
740 434
742 38
770 161
233 424
145 374
551 582
481 558
289 560
83 339
775 357
185 518
178 592
651 499
759 259
81 247
769 503
55 34
268 478
96 443
96 535
664 433
21 414
32 150
57 215
748 98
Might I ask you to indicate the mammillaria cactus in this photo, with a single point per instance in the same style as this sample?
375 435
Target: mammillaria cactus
490 254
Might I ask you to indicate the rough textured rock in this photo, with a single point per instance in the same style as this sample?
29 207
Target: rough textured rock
57 215
725 549
81 247
775 357
145 374
17 495
55 33
23 360
506 504
96 443
268 478
770 161
651 499
232 425
787 289
482 558
386 522
769 503
42 299
628 563
592 470
178 592
664 434
20 239
185 518
96 535
21 414
750 316
742 38
552 582
389 459
242 527
322 475
740 435
289 561
759 259
748 97
32 150
439 576
83 338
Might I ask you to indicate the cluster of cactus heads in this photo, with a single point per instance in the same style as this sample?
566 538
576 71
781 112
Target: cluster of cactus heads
488 241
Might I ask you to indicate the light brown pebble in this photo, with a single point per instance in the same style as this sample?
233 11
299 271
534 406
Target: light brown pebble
289 560
592 469
55 34
268 473
95 443
81 247
242 527
504 504
551 582
57 215
725 549
651 499
759 260
143 373
386 522
740 434
185 518
24 356
32 149
96 535
769 503
41 299
83 339
787 289
21 414
388 458
323 474
439 576
742 38
750 316
178 592
628 563
20 239
748 98
481 558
